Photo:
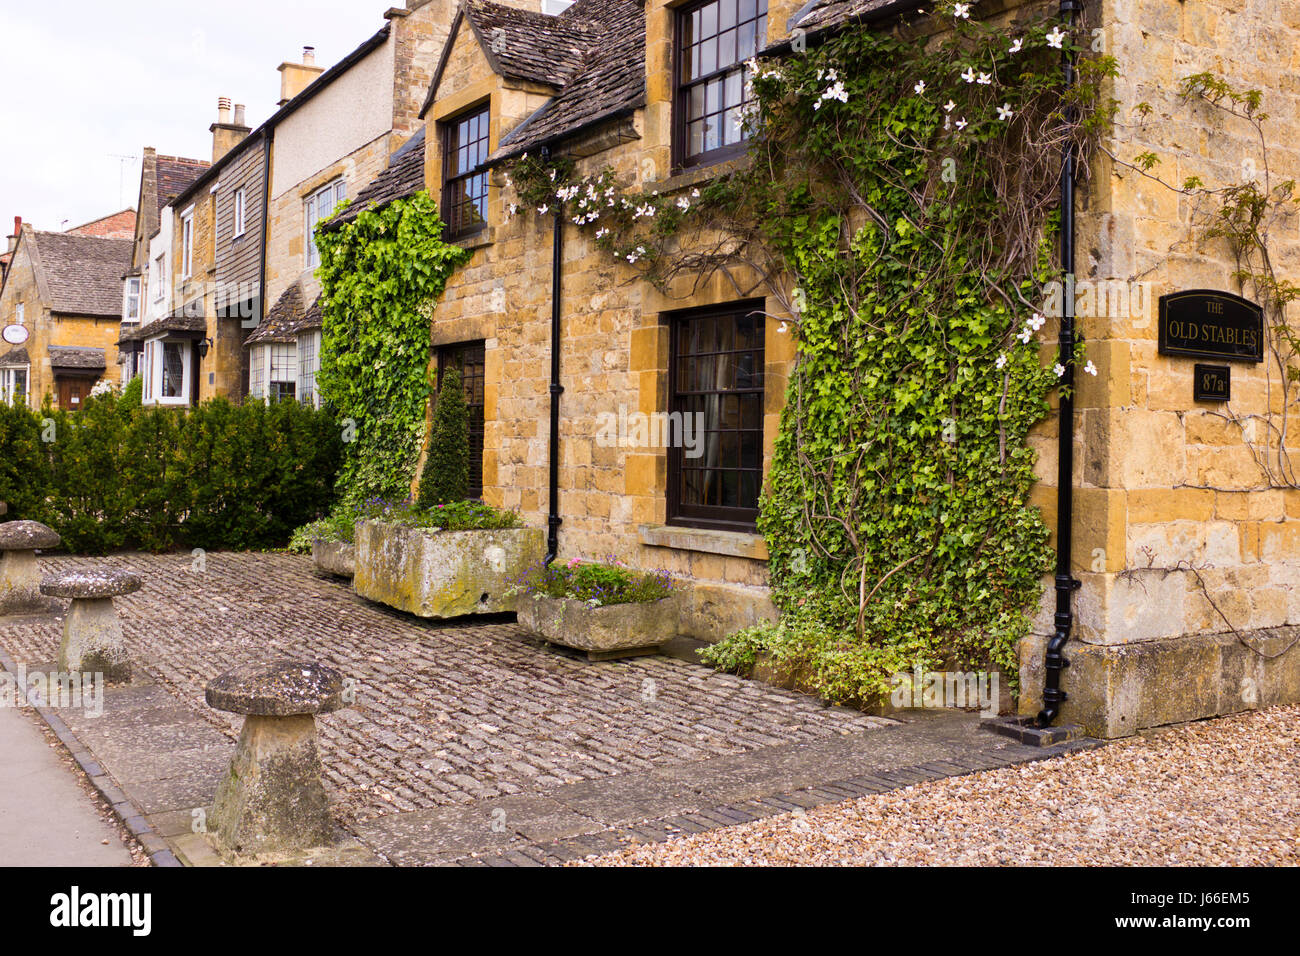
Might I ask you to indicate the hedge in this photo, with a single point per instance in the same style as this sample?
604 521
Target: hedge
219 476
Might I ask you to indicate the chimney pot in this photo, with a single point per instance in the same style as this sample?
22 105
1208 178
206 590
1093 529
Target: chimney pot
223 110
309 55
239 114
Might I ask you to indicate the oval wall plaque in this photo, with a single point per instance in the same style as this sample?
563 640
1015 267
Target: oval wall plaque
15 334
1202 323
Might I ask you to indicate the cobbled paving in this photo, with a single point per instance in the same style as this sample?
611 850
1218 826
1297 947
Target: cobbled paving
445 713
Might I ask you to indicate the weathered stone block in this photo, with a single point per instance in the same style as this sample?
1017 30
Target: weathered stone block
615 630
335 557
444 573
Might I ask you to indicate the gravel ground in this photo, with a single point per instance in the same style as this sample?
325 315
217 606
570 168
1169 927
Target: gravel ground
1218 792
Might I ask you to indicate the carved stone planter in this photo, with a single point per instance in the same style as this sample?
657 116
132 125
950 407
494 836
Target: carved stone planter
443 573
335 557
605 633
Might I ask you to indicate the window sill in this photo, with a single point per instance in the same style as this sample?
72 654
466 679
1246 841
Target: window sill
735 544
477 241
697 175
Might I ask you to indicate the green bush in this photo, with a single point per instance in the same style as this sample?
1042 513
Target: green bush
445 477
596 583
220 476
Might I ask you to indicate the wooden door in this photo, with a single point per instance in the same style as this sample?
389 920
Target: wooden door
72 392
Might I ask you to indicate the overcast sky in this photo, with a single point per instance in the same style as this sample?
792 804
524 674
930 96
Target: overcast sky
85 82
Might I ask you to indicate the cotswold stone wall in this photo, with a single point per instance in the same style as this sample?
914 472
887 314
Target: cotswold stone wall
1179 535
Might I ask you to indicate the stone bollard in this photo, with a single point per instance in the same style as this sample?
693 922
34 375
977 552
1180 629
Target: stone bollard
20 579
92 634
273 800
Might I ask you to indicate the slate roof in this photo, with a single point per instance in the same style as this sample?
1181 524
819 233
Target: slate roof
281 322
314 319
175 175
78 357
176 322
403 177
533 46
82 274
15 356
818 15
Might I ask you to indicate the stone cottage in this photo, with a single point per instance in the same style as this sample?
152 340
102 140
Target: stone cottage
1186 548
65 289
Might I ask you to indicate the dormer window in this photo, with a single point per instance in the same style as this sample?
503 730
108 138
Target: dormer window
714 39
464 173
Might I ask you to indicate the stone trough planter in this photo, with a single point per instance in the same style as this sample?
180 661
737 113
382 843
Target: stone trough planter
441 574
605 633
335 557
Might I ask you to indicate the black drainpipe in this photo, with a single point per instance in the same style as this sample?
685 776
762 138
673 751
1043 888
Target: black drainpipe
1055 662
553 519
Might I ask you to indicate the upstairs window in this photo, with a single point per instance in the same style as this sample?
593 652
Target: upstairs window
187 245
239 213
320 206
159 278
132 313
464 175
20 316
714 39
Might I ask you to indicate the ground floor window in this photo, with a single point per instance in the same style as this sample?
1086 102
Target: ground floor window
13 385
166 370
273 371
468 357
715 467
308 364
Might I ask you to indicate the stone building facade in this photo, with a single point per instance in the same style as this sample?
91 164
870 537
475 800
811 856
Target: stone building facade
65 289
1187 552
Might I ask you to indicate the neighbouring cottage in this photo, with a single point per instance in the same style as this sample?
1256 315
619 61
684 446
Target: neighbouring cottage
65 288
146 284
1186 540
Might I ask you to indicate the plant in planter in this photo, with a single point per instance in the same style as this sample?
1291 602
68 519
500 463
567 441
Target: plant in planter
444 560
331 541
607 610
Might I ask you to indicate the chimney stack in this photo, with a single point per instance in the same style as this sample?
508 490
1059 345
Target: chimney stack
296 77
225 134
18 228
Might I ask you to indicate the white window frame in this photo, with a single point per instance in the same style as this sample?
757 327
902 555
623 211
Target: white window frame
308 366
187 243
8 382
20 314
160 266
239 215
132 293
335 192
262 368
154 353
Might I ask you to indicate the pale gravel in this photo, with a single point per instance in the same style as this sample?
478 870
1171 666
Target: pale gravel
1217 792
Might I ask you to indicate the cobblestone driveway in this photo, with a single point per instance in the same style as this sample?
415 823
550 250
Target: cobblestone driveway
444 714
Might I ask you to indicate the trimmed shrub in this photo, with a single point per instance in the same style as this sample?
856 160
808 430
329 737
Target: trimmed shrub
446 469
220 476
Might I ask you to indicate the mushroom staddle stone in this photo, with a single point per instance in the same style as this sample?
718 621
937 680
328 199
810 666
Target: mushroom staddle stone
273 800
27 536
92 634
20 577
281 688
81 585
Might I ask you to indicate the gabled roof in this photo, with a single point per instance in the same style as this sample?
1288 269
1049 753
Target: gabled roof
610 82
529 45
175 175
403 177
76 357
829 15
79 275
281 321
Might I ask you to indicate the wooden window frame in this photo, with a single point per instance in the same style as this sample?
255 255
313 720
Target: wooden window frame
712 516
446 131
683 160
445 354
